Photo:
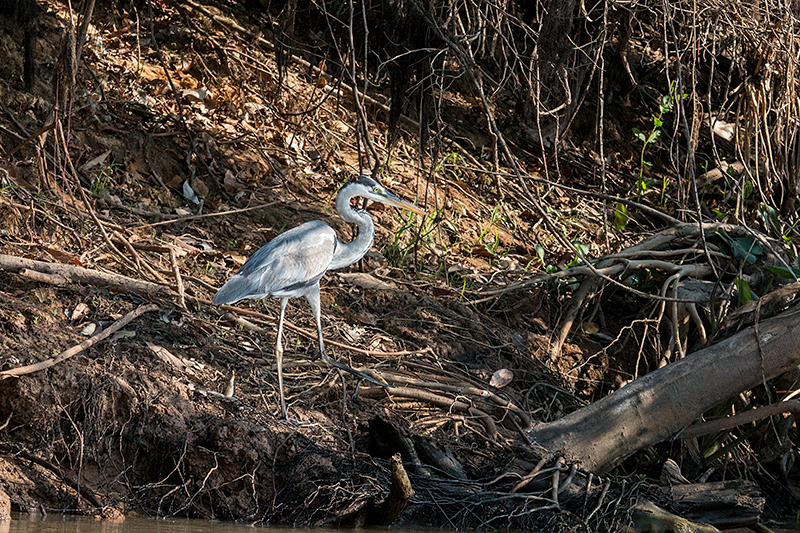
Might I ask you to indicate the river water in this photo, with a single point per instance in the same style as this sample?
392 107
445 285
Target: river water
79 524
75 524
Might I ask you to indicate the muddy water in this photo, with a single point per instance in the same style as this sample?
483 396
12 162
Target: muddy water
71 524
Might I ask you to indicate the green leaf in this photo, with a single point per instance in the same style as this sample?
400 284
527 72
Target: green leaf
620 216
749 248
539 249
745 248
639 135
657 122
770 216
653 136
783 273
745 294
581 247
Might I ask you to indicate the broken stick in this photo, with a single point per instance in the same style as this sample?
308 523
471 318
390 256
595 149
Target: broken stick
66 354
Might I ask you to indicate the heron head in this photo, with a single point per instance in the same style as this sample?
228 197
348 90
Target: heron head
371 189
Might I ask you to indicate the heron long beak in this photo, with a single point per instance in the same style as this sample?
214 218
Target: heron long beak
395 201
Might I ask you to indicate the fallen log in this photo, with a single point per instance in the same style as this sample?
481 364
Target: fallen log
649 517
85 276
658 406
723 504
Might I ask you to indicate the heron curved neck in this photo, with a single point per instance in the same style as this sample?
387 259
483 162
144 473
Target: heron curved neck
349 253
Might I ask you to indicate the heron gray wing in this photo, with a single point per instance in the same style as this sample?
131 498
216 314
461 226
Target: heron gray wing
286 266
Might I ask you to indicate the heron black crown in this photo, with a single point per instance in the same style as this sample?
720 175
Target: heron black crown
366 181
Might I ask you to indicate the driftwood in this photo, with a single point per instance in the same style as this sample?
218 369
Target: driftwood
385 513
723 504
649 517
658 406
76 274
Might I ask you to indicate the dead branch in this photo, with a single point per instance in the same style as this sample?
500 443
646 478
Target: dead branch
306 333
439 401
41 277
63 356
176 271
730 422
546 458
207 215
76 274
395 503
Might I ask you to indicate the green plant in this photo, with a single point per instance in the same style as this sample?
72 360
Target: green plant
492 244
463 290
745 249
716 445
620 216
778 272
581 249
665 105
774 222
398 250
451 164
743 292
101 181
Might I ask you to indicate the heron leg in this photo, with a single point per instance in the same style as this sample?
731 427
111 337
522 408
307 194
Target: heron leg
279 358
313 298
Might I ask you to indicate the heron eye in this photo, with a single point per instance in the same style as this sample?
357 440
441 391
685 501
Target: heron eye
376 190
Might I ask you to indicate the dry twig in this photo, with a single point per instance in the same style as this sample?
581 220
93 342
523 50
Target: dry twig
66 354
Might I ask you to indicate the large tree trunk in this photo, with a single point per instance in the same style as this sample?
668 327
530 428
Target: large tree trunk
657 406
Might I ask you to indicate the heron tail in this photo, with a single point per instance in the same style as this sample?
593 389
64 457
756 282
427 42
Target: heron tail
237 288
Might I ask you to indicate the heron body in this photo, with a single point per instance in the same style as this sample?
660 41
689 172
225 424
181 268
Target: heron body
286 267
292 264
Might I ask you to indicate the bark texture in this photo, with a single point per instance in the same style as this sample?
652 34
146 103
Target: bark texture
659 405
